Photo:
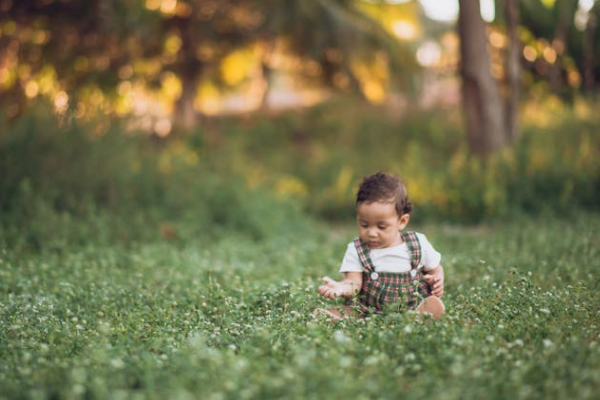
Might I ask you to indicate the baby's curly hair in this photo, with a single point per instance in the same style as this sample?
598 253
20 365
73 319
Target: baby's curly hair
384 188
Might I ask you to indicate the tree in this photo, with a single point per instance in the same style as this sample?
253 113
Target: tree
566 11
337 35
70 44
107 43
333 33
208 30
588 48
483 108
513 68
566 56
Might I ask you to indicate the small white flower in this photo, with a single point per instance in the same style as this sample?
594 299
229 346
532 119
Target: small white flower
371 360
340 337
78 389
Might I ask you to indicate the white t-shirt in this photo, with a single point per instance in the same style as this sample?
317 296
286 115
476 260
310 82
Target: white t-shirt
392 259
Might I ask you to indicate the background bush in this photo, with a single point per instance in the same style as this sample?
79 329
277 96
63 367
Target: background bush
64 181
318 157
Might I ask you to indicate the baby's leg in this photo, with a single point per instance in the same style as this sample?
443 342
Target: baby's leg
432 305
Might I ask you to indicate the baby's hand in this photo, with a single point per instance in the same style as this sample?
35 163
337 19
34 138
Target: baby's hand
435 279
331 289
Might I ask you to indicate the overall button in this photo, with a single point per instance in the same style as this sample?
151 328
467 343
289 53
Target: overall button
374 275
413 272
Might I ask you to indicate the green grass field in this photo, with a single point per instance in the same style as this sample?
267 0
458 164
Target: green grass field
190 319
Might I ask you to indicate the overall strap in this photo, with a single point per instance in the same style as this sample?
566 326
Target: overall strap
414 247
363 254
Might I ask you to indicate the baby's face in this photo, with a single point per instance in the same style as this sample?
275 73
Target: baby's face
379 224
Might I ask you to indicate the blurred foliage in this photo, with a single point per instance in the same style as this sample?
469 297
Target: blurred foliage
64 181
554 166
67 183
170 58
104 55
559 41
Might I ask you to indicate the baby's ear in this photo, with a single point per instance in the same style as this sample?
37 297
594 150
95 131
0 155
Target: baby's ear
403 221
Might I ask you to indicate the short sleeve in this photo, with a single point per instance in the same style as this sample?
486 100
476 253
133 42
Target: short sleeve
351 262
430 257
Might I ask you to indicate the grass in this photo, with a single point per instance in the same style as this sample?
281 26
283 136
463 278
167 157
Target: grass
231 319
187 268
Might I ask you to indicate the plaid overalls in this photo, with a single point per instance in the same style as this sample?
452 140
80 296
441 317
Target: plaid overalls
392 290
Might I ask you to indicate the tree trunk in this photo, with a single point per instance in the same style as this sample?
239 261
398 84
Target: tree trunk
267 73
484 113
266 69
513 69
185 116
189 69
566 13
588 51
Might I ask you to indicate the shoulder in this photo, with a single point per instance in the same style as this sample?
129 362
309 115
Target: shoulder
414 236
351 248
351 261
424 242
419 235
431 257
422 237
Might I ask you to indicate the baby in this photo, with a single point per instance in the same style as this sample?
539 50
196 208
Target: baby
386 268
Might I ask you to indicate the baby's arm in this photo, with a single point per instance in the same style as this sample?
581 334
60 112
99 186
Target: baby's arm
435 279
349 287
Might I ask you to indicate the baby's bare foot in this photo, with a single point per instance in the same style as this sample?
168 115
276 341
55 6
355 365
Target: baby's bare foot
433 306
